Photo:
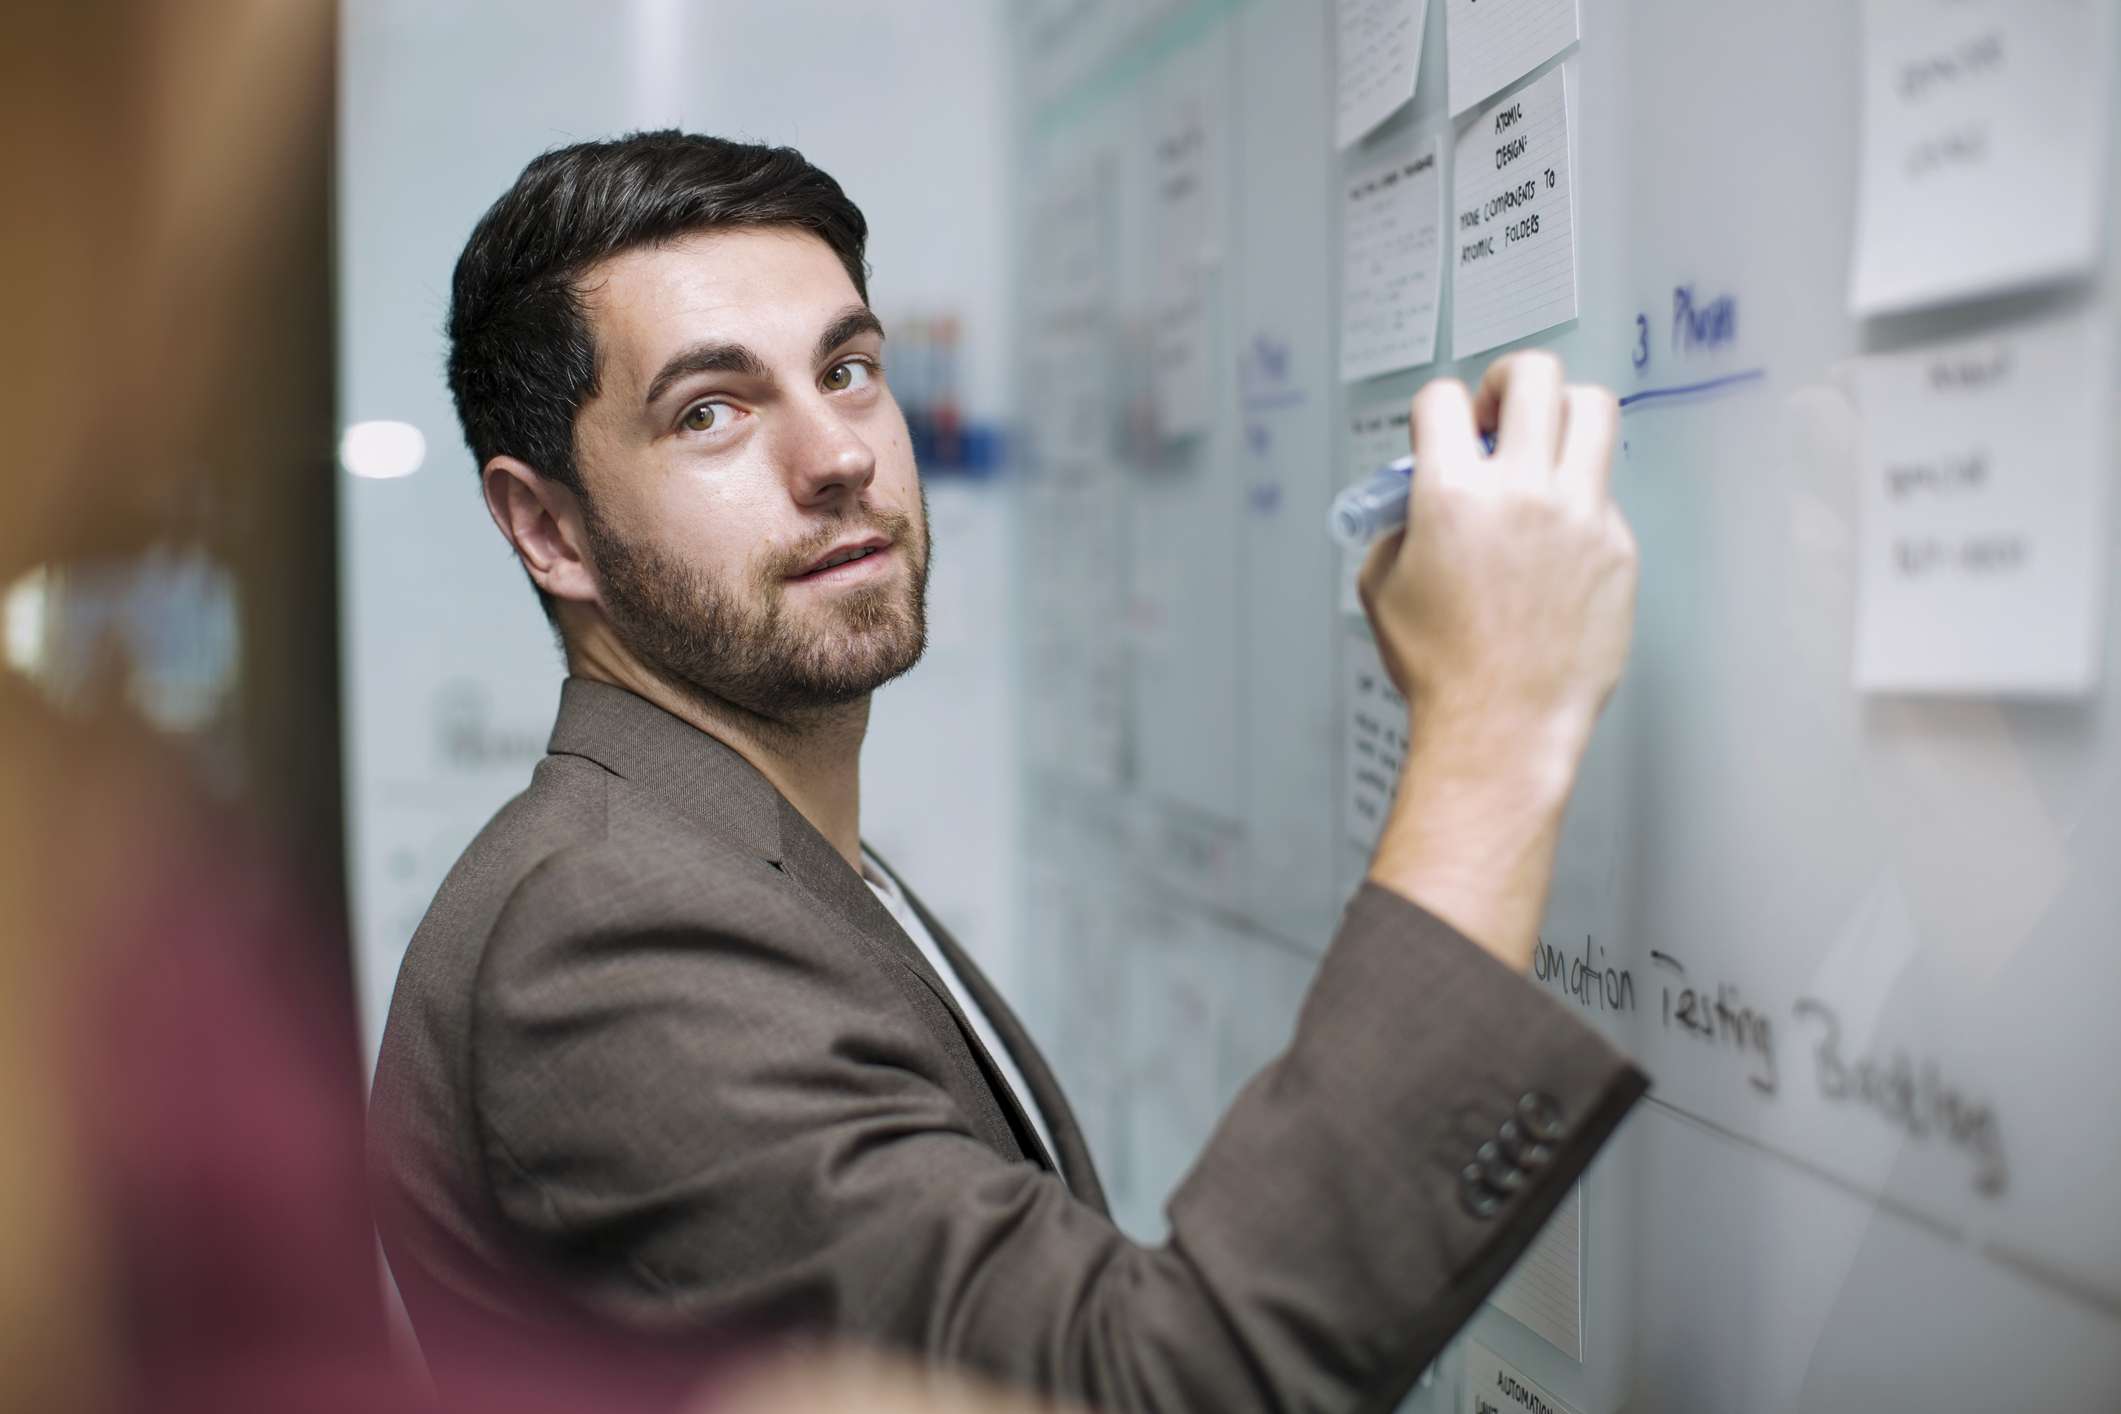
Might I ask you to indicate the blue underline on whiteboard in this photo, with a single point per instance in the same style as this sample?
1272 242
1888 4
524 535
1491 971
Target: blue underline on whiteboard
1706 385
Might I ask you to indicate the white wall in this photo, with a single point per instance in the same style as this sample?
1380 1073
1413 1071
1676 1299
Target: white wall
451 677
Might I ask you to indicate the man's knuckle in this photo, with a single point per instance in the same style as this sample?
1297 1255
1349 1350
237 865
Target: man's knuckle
1433 392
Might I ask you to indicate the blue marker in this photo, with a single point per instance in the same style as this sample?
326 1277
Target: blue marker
1378 506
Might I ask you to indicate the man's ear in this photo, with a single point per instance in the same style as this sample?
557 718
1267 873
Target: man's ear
543 520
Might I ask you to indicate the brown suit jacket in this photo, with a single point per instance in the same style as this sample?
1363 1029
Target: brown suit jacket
658 1045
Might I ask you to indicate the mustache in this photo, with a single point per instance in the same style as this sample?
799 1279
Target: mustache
895 526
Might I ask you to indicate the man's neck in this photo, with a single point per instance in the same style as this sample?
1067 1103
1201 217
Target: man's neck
815 761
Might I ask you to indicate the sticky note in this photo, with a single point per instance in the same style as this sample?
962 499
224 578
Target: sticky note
1494 1386
1983 526
1513 219
1391 261
1493 43
1985 131
1379 62
1377 435
1376 740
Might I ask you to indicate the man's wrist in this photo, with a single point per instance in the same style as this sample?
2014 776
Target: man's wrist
1529 757
1473 826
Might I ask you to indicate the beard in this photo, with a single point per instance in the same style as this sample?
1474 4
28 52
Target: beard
744 645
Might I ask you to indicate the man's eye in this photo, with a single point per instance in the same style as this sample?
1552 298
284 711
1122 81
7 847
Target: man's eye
703 417
841 377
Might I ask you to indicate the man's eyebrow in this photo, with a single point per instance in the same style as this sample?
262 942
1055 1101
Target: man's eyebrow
706 358
853 320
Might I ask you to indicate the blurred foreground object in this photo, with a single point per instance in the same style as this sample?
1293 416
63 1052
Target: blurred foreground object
166 376
182 1226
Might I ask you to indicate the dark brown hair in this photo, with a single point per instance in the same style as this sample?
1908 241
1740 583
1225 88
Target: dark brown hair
522 357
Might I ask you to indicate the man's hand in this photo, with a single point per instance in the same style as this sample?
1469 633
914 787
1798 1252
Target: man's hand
1503 612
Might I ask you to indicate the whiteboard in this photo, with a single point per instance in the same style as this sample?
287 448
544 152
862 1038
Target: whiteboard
1810 912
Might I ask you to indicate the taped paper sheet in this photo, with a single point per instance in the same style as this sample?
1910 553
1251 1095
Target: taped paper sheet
1983 530
1391 260
1380 59
1494 43
1495 1386
1188 207
1514 222
1985 133
1544 1291
1376 740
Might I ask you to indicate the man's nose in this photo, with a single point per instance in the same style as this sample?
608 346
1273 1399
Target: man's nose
828 458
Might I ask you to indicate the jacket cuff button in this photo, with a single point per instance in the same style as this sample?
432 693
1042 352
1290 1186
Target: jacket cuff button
1501 1174
1540 1115
1521 1149
1474 1195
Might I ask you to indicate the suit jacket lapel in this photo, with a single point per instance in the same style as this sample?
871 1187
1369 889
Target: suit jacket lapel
1075 1161
709 781
705 778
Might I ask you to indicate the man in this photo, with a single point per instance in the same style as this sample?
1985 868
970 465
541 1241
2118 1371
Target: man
670 1039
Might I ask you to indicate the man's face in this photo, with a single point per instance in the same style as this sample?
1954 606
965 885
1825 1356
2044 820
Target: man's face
741 436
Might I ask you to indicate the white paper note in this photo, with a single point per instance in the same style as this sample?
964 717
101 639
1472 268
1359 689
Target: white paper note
1073 491
1379 59
1544 1291
1984 146
1495 1386
1513 219
1184 165
1080 719
1983 530
1070 244
1377 435
1391 260
1493 43
1376 740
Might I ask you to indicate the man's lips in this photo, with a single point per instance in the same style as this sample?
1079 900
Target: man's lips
867 558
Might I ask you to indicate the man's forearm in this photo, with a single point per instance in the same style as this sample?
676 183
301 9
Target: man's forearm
1503 613
1473 827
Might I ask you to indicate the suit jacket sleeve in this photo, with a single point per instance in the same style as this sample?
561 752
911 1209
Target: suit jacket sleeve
699 1124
